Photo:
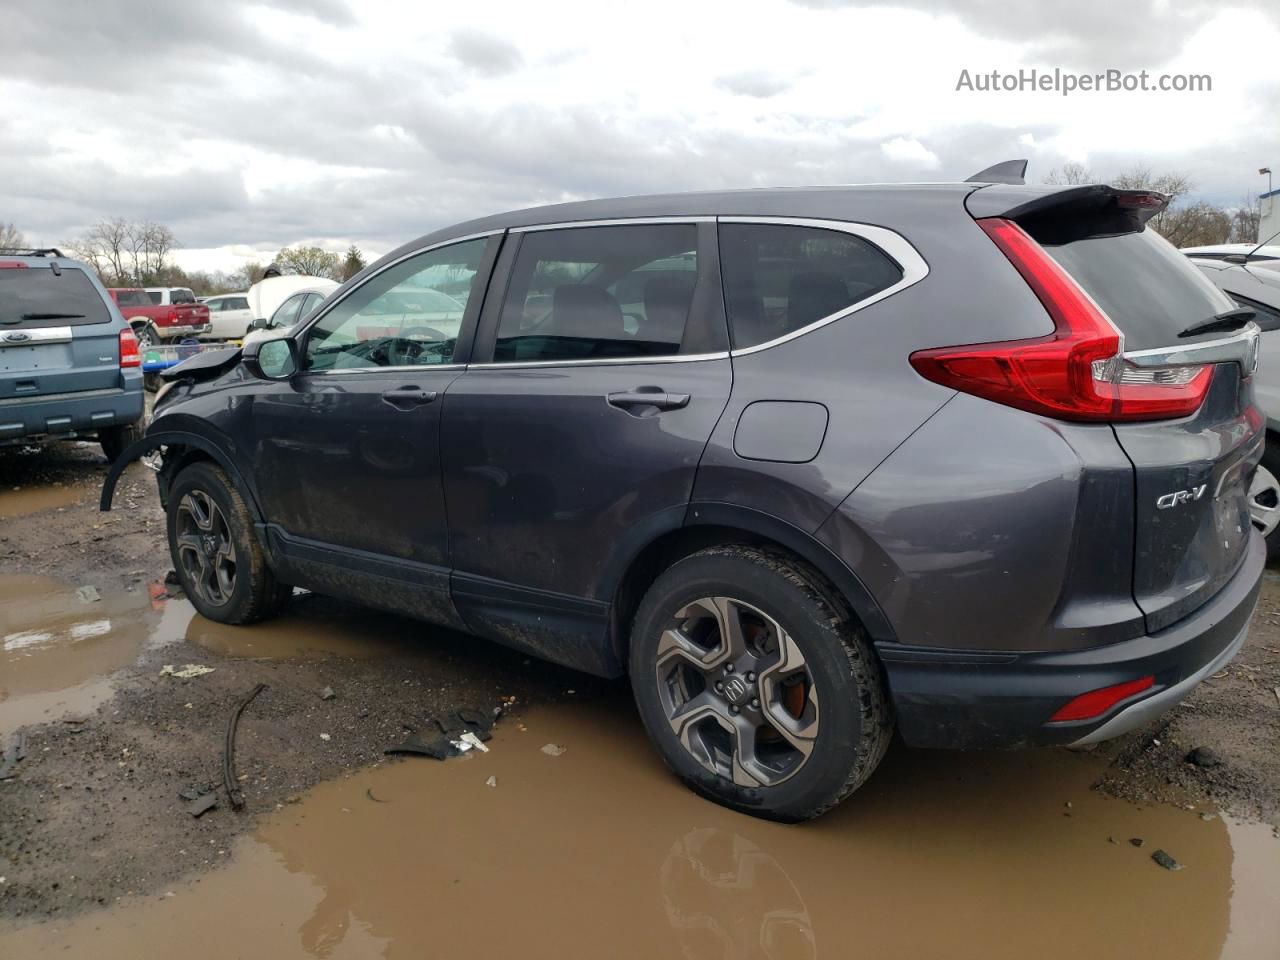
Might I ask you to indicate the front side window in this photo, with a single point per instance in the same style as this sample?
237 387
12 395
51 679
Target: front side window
588 293
235 303
780 278
408 315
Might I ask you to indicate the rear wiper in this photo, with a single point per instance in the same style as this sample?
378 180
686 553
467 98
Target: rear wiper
1228 320
52 316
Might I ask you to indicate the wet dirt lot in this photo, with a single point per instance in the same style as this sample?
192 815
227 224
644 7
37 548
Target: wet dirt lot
342 852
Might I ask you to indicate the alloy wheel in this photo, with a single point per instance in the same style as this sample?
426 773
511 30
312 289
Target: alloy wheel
737 691
145 340
1264 501
205 547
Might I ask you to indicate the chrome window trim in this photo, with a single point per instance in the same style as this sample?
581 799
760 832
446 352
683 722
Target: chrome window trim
1241 348
329 305
37 335
612 222
600 361
895 245
412 368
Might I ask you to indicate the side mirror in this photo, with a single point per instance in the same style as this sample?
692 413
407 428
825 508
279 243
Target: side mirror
259 323
271 359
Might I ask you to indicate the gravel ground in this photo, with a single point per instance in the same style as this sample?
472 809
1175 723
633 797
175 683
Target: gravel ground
94 814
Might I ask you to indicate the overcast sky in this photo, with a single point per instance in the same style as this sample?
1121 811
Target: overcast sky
245 126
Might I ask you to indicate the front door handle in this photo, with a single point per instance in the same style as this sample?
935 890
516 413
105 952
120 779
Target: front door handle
649 398
406 398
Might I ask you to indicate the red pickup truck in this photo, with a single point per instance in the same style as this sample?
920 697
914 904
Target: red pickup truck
172 318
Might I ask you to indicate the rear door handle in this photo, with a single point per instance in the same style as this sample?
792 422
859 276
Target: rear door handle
644 398
405 398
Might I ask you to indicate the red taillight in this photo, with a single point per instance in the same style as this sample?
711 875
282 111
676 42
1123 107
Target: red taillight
1097 702
129 356
12 265
1074 373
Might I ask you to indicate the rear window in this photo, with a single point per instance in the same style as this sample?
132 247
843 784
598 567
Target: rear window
1150 291
181 295
133 298
38 297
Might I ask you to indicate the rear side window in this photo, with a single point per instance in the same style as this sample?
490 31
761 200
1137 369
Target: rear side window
156 296
780 278
1150 291
38 297
133 298
588 293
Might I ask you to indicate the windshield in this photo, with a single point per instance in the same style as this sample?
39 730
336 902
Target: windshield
38 297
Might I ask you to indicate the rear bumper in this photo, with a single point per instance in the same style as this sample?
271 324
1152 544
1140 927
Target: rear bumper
71 413
187 330
979 699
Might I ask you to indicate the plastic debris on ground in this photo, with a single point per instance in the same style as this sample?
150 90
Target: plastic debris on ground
88 593
553 749
187 672
451 735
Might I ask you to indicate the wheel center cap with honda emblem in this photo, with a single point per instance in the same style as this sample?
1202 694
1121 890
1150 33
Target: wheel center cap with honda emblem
737 690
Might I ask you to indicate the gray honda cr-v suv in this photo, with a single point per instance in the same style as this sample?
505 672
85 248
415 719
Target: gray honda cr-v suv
968 459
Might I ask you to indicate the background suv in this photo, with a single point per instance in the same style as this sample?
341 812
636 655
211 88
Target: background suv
971 459
69 364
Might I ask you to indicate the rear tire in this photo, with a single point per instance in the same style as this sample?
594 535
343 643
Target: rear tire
114 440
147 335
216 553
1264 499
811 722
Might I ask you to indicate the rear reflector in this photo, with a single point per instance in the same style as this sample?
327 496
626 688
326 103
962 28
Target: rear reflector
1097 702
1075 373
12 265
129 356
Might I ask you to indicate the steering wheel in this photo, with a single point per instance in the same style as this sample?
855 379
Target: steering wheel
404 349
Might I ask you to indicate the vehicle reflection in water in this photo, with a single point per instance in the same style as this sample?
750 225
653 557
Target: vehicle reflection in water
598 852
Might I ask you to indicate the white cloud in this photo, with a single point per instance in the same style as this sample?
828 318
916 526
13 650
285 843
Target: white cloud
273 123
910 152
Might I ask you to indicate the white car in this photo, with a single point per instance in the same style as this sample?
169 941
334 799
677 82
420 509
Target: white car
1256 286
166 296
1216 251
266 296
295 308
229 316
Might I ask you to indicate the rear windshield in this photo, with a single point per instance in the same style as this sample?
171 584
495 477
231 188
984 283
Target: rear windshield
181 295
38 297
133 298
1148 289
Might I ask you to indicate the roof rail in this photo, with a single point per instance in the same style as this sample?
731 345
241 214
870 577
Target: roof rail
32 251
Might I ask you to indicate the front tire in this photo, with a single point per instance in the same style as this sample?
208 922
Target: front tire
216 554
757 691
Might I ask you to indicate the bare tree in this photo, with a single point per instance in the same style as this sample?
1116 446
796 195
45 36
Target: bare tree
11 237
1194 225
126 253
1245 220
309 262
248 275
1071 174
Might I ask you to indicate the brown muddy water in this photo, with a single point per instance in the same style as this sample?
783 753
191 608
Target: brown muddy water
598 852
19 501
58 651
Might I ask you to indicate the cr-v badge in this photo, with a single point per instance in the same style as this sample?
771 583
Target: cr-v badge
1180 496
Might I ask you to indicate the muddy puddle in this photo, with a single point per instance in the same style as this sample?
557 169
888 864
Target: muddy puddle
597 852
17 502
58 650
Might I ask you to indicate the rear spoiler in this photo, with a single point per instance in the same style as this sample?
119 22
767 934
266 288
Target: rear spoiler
1067 212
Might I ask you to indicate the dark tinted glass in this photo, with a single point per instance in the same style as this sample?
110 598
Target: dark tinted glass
181 296
38 297
155 296
1150 291
599 292
779 278
133 298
